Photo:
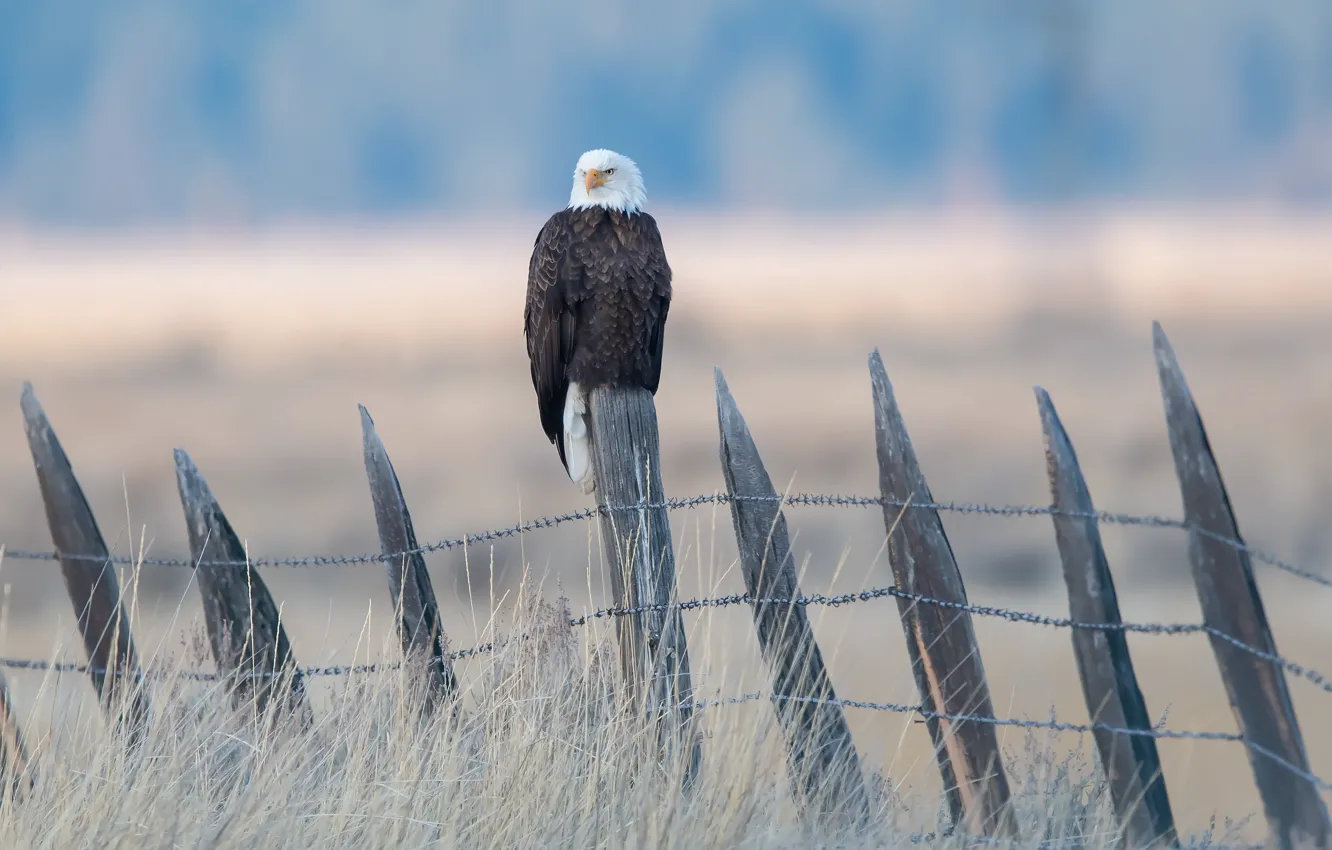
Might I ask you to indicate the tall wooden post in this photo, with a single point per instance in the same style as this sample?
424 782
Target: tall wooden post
244 624
941 640
820 753
626 458
419 624
1232 606
1131 763
90 578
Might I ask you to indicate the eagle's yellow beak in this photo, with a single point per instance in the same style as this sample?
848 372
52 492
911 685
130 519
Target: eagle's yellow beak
593 179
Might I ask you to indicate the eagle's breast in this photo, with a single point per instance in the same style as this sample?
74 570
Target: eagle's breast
626 286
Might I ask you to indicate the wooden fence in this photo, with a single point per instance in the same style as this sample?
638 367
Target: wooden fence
253 653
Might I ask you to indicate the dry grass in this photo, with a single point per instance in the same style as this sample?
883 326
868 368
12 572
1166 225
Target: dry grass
541 754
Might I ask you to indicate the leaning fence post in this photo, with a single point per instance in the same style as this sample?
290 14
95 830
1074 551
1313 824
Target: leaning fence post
626 460
89 577
940 639
420 627
822 758
1231 605
243 623
1132 766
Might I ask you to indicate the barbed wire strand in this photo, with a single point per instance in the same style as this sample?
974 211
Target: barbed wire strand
1051 725
1170 629
1295 668
800 499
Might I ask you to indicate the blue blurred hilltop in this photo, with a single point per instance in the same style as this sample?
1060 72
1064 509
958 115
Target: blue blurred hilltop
143 111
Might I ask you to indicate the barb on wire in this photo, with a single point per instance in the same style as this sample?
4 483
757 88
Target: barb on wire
800 499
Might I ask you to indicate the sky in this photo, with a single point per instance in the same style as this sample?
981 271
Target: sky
148 112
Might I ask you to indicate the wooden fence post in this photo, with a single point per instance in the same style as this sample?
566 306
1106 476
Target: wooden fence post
1132 766
941 640
821 755
1223 575
626 457
420 627
90 578
244 625
13 755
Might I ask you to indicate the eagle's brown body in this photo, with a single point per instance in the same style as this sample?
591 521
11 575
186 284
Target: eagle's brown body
598 290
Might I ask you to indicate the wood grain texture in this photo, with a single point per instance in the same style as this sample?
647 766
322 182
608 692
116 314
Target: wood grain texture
941 641
1109 684
244 624
1231 604
90 581
821 755
419 624
637 541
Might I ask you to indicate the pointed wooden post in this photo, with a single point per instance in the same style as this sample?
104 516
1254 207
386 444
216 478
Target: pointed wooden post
1231 604
244 625
941 640
626 457
821 756
90 578
419 625
1131 764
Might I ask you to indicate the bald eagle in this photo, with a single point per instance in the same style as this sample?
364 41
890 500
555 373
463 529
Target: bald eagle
598 289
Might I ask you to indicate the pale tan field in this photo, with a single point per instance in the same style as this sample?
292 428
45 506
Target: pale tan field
251 353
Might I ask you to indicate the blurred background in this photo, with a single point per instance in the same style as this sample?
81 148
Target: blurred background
224 225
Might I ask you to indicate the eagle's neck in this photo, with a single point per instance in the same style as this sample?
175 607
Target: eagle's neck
622 199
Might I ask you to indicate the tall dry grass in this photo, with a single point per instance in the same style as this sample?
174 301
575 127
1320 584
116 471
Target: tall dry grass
540 753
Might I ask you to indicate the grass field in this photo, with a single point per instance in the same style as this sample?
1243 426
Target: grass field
252 354
541 754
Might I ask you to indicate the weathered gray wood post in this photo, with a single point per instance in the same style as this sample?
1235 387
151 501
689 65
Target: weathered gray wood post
1232 606
626 458
1132 766
90 577
419 625
821 755
244 625
941 640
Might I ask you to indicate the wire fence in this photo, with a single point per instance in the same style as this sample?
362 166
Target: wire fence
799 499
1308 674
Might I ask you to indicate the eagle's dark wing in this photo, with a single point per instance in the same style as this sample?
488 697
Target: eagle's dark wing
658 274
550 321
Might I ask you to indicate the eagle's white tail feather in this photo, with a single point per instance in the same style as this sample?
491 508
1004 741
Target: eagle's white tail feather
578 440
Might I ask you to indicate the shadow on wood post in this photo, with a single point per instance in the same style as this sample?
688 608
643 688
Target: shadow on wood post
940 640
244 624
1223 575
14 765
90 578
654 658
821 755
1109 684
419 625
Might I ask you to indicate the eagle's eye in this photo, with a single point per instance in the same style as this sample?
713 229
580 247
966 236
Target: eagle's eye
608 172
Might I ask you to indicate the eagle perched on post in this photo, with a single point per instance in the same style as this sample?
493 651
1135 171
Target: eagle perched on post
598 289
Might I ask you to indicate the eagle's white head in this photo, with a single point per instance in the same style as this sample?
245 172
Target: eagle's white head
607 179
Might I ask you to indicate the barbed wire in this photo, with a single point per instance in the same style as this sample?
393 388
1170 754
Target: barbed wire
1311 675
1049 725
799 499
1169 629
